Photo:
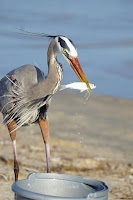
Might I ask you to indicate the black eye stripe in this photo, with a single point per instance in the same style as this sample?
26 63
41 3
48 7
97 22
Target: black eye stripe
63 44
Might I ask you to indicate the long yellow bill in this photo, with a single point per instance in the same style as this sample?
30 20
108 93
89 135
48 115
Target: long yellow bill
78 70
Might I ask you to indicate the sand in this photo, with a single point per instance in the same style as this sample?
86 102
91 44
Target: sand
91 138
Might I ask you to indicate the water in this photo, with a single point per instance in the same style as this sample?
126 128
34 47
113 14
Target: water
102 31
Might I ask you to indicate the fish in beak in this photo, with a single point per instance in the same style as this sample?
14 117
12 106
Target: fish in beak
74 63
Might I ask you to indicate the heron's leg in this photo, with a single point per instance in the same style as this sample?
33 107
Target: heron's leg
11 126
44 125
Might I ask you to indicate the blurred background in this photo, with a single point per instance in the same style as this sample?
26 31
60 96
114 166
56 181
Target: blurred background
101 30
91 138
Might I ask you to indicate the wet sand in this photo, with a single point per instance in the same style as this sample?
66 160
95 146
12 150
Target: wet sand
88 138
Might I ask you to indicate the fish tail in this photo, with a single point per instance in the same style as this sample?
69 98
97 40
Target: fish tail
62 87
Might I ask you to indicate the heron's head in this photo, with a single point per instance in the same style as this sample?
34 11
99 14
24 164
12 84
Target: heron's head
69 51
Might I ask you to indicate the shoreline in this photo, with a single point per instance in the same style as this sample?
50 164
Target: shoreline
104 118
90 140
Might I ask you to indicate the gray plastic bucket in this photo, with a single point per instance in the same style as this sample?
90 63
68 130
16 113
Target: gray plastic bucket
48 186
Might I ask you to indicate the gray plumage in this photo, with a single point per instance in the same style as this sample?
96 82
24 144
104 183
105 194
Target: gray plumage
25 90
25 93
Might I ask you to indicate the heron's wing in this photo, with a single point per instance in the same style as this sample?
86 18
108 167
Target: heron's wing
18 81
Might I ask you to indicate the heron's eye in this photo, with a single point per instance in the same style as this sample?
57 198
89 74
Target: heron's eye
64 51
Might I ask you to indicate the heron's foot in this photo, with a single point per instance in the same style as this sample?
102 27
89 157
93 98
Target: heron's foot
16 171
48 171
47 149
48 167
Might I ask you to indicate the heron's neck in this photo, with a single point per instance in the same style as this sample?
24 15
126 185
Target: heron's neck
55 70
49 85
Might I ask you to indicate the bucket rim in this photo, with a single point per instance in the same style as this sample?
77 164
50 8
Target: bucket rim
103 188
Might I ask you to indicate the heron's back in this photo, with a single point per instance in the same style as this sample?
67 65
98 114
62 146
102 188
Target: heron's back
24 77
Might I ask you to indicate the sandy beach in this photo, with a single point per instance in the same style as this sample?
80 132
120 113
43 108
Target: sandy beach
90 138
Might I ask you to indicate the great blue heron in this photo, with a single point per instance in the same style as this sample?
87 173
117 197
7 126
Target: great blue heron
25 93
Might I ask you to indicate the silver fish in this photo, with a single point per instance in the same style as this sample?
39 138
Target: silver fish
78 86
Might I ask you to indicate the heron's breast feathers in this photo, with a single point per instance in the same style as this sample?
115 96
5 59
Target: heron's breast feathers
19 105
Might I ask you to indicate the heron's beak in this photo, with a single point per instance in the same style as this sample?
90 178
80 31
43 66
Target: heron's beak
78 70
